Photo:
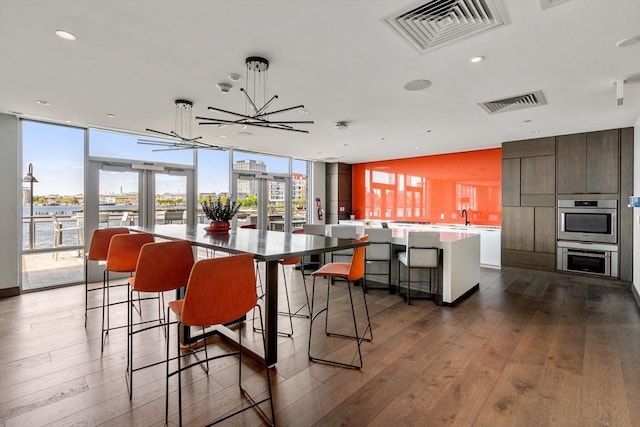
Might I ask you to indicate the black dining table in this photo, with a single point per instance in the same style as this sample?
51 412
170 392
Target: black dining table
263 245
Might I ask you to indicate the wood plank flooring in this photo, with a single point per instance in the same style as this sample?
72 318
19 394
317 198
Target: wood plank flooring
528 348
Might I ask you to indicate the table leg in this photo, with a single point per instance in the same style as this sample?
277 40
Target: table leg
271 312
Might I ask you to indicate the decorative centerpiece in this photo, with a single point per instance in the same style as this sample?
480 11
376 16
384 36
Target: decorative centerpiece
219 213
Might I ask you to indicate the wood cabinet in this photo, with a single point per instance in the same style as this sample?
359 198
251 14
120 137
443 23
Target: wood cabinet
538 181
545 229
603 162
571 163
528 189
511 182
588 163
517 228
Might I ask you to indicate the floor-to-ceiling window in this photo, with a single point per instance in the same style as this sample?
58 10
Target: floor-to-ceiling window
93 178
52 204
272 190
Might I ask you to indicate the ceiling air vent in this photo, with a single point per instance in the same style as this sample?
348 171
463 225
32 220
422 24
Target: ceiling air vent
519 102
435 23
546 4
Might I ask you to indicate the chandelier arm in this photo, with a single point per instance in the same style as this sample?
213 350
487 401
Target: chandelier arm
265 106
158 132
292 122
160 143
229 112
262 124
249 100
279 111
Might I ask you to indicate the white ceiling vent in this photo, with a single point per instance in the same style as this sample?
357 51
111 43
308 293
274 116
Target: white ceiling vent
546 4
518 102
435 23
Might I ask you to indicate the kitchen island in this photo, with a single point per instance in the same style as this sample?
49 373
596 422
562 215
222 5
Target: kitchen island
459 271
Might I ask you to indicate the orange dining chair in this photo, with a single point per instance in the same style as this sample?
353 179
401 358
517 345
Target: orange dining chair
351 272
122 257
219 291
162 267
98 249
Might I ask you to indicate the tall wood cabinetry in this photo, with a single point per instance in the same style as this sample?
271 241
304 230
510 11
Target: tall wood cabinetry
528 200
538 172
338 191
589 163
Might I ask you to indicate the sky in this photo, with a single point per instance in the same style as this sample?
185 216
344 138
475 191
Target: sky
56 153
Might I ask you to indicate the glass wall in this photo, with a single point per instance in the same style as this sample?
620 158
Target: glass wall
52 204
125 172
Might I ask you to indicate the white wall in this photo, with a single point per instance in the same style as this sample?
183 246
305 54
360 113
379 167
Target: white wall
10 193
636 211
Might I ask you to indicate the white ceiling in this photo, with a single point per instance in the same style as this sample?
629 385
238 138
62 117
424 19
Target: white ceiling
337 57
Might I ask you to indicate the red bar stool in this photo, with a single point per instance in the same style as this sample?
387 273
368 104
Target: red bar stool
98 249
220 291
351 272
122 257
162 267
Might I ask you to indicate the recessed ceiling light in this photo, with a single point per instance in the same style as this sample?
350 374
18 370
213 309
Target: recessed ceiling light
65 35
342 125
224 87
428 130
417 85
417 148
223 136
304 111
528 121
234 77
535 131
111 115
42 102
476 59
628 41
243 133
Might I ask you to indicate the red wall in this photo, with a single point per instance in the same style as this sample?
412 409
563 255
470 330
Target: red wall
425 188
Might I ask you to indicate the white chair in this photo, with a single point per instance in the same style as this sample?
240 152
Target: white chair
378 252
174 216
422 252
59 229
316 230
342 231
103 219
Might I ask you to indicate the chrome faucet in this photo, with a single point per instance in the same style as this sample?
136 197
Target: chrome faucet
464 215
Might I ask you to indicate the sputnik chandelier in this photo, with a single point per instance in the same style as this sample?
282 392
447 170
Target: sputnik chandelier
180 138
257 103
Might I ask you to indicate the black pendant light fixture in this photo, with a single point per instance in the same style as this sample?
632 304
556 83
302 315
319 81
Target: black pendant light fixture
257 103
180 138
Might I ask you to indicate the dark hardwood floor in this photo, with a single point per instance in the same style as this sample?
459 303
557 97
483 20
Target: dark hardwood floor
528 348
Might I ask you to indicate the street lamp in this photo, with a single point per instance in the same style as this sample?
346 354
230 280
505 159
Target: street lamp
30 179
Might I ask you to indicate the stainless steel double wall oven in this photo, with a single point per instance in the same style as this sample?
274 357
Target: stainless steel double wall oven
588 236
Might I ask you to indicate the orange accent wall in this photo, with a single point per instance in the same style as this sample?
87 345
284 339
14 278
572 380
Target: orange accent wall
431 189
